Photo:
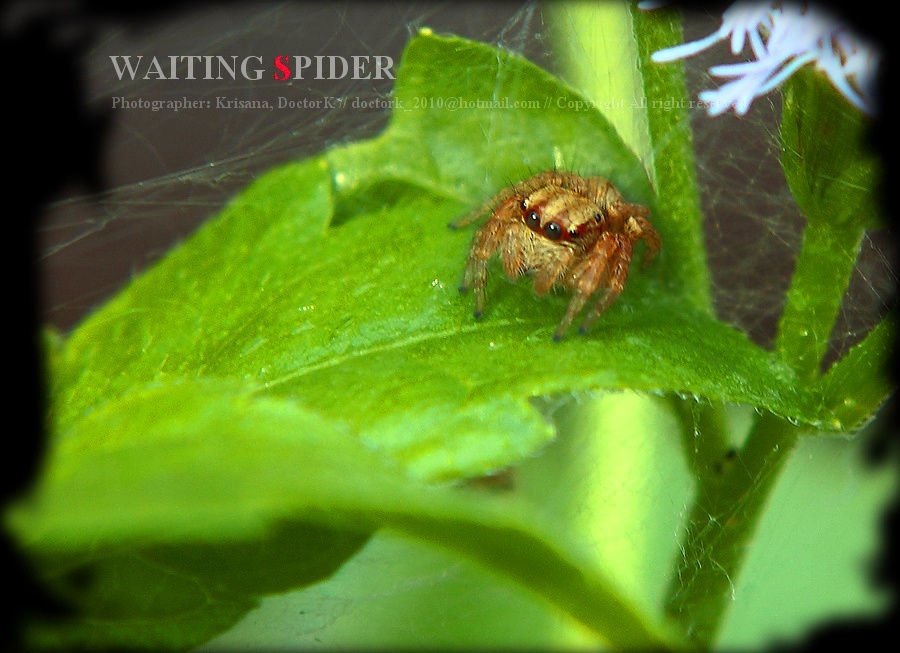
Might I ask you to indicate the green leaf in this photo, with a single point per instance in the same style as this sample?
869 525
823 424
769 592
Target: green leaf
225 496
139 490
860 380
832 172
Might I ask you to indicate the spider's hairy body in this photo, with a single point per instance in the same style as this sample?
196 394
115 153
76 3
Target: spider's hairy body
566 231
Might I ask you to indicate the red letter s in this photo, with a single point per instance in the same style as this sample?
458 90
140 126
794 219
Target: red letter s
281 64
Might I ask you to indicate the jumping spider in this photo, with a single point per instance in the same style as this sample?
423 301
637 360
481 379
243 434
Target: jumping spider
566 230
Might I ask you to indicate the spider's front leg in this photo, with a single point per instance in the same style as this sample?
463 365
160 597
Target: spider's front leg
493 236
487 241
605 266
616 274
475 276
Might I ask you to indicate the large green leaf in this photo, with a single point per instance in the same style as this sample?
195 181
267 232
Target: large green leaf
140 489
164 514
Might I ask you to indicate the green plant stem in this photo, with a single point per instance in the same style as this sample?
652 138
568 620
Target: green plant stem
704 432
821 276
730 502
672 140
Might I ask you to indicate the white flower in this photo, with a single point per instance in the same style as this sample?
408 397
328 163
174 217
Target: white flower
783 38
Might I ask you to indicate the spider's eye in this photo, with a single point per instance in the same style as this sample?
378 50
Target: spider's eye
552 230
533 220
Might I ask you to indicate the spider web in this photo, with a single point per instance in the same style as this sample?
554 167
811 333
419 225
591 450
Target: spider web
166 172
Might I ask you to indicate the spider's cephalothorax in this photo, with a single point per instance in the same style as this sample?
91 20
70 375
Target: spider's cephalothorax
565 230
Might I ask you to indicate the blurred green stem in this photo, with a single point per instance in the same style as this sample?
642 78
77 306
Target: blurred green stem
704 432
730 500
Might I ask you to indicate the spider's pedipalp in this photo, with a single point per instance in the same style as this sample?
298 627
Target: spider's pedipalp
641 229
